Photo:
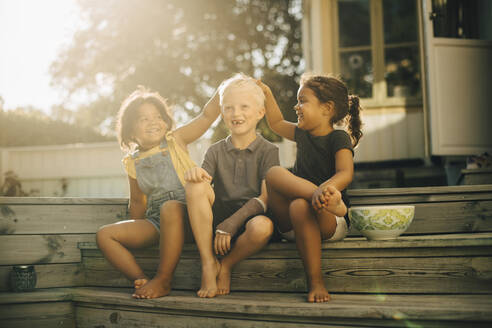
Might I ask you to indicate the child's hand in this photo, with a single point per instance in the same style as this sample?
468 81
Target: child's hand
319 199
222 242
265 88
197 174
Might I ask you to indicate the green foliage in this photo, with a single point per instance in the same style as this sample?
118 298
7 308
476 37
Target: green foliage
33 128
181 48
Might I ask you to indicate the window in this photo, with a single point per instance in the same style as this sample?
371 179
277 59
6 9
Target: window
378 50
463 19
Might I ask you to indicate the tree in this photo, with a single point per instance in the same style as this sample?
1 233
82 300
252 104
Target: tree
31 127
181 48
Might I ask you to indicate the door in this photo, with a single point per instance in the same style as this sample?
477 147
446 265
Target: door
458 62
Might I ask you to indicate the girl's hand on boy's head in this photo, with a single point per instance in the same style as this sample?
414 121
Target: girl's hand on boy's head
197 174
265 88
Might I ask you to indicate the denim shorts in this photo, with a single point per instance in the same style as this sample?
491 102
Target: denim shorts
153 213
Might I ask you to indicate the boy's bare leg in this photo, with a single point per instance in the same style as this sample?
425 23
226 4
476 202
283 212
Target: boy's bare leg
171 245
114 239
200 197
258 231
308 242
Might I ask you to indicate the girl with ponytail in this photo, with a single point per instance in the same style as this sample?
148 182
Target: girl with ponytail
309 202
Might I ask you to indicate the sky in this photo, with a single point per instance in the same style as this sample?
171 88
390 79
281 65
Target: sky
32 32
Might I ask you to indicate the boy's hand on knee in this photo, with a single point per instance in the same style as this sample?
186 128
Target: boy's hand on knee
197 174
222 242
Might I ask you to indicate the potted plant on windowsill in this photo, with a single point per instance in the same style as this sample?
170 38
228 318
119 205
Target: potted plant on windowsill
402 78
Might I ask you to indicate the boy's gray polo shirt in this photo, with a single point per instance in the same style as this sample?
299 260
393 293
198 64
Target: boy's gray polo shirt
237 174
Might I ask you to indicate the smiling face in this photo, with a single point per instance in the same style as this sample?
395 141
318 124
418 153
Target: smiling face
150 128
241 111
312 115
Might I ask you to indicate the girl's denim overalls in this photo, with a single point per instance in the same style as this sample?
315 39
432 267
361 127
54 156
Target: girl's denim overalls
159 181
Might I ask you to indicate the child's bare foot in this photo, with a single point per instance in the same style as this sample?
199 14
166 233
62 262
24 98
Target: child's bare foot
335 203
210 271
157 287
224 280
140 282
318 294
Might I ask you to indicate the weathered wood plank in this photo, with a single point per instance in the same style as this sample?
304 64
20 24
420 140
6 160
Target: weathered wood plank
474 244
421 190
377 310
37 296
49 276
110 316
286 254
450 217
476 176
42 315
351 275
354 193
64 218
37 249
472 216
62 200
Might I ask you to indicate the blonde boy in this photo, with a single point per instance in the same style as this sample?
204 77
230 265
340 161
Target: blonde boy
236 167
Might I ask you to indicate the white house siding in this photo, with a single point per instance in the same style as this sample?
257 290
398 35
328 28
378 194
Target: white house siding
391 134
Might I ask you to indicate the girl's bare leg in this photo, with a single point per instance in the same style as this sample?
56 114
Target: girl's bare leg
171 244
283 187
200 197
258 231
290 197
289 185
114 240
308 242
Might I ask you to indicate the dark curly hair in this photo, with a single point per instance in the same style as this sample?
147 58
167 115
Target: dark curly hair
328 88
127 115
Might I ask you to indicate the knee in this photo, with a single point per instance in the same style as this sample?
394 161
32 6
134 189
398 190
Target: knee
259 228
104 233
171 211
272 173
196 189
299 210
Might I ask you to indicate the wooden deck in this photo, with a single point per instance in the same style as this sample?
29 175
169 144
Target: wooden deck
439 274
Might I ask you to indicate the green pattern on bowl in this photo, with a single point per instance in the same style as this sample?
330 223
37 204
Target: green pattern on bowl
381 222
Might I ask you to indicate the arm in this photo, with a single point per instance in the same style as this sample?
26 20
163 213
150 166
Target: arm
344 164
197 174
274 116
229 227
138 201
196 127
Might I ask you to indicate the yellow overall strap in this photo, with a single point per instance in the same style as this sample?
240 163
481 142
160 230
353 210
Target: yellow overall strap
180 158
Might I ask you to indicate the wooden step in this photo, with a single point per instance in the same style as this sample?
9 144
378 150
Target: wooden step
440 264
438 210
114 307
43 308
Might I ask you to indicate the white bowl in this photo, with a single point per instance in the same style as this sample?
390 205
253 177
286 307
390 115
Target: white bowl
381 222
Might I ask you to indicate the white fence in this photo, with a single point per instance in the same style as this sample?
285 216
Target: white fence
95 170
85 170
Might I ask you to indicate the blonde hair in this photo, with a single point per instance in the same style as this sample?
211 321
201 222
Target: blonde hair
242 81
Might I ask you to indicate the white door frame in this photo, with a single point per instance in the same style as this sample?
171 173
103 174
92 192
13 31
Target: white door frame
459 85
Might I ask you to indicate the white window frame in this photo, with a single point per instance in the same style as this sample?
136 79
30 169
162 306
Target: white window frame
379 88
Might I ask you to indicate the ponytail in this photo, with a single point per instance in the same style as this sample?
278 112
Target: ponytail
355 123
